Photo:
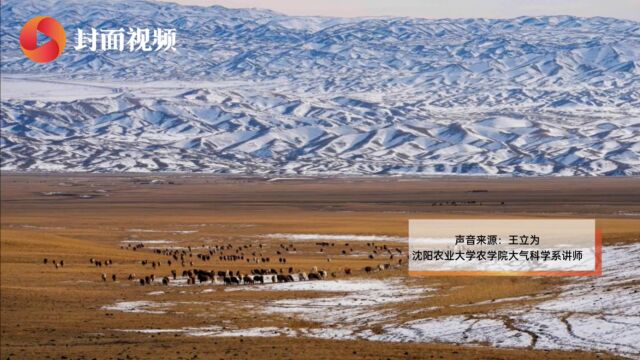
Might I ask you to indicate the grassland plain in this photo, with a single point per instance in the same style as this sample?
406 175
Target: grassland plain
69 311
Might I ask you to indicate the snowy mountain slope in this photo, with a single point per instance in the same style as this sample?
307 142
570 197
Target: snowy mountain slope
253 91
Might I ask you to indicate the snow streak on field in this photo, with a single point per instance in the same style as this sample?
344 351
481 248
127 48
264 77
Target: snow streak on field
591 314
256 92
356 307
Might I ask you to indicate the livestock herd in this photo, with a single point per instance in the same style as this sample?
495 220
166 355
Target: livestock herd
242 253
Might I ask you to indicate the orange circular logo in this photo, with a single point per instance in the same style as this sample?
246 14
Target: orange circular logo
50 50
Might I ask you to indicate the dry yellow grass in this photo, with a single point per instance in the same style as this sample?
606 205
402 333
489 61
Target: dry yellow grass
57 312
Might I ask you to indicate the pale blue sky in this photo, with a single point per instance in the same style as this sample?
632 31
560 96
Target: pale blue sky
624 9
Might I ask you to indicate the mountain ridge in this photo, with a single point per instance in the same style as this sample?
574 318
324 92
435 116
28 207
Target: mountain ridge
258 92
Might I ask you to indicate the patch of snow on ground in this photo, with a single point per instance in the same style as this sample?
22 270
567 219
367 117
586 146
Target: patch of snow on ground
334 237
219 331
456 329
142 306
356 306
147 241
255 332
164 231
601 313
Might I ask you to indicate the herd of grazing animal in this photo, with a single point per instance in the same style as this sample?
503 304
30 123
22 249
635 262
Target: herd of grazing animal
257 276
56 264
231 253
99 263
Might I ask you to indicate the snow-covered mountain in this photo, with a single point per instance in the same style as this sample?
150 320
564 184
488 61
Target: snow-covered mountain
253 91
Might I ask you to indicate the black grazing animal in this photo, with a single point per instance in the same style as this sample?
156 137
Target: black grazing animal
314 276
165 281
46 261
247 279
229 280
347 271
142 282
174 274
368 269
203 277
258 278
113 277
